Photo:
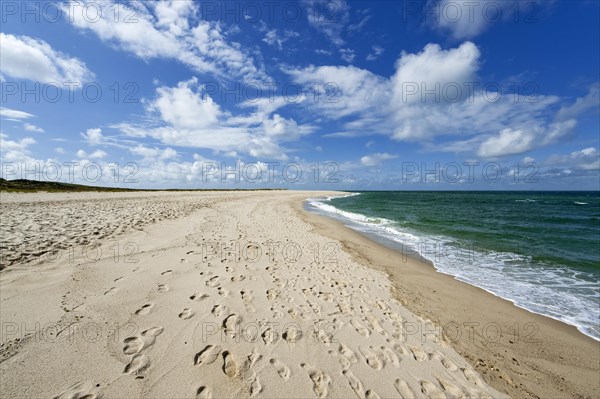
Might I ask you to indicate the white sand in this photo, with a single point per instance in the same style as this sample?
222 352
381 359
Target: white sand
281 311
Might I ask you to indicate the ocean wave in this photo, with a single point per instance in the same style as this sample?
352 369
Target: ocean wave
555 292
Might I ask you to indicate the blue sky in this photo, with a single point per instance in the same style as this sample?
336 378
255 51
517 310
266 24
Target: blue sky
375 95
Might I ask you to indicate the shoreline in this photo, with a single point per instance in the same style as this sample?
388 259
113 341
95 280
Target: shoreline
533 355
188 316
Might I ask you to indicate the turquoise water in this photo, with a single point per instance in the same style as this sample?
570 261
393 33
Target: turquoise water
540 250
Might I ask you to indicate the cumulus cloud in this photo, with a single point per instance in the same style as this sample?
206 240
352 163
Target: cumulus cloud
184 107
437 92
465 19
97 154
32 128
376 158
93 136
182 115
24 57
169 30
153 154
15 150
585 159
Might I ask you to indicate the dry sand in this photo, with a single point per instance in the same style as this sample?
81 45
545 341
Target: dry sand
226 294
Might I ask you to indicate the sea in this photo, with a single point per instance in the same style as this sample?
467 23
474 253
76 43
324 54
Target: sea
539 250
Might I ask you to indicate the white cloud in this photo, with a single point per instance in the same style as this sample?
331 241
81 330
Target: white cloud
591 101
364 17
465 19
329 17
93 136
507 142
59 150
169 30
377 51
347 55
585 159
24 57
183 116
346 90
184 107
15 151
32 128
436 92
153 154
273 38
376 158
527 160
284 129
98 154
14 114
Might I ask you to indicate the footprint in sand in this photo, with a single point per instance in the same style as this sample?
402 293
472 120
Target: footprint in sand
218 310
213 281
208 355
272 295
82 389
362 330
119 278
452 389
372 359
144 310
292 335
347 353
320 379
167 272
269 336
472 376
355 383
204 393
431 390
282 370
140 342
370 394
375 324
246 296
231 324
230 366
186 314
419 354
252 358
391 356
447 363
198 297
138 363
162 288
223 291
110 291
403 389
255 386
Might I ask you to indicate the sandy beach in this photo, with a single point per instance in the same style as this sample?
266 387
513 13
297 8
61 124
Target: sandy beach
245 294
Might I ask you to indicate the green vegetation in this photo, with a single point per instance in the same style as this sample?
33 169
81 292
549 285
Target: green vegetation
24 186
